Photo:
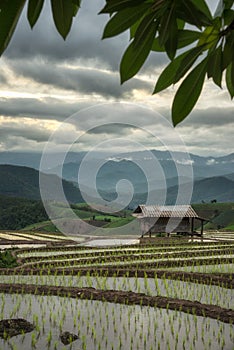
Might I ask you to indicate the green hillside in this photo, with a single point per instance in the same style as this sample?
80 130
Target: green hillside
29 214
23 182
221 215
84 212
16 213
20 213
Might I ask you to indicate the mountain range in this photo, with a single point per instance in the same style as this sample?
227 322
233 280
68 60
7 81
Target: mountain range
23 182
213 177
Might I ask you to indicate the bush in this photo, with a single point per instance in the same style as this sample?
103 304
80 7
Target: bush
7 259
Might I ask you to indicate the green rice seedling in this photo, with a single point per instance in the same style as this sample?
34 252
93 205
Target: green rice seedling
36 321
5 335
223 342
49 338
13 346
84 345
22 335
33 340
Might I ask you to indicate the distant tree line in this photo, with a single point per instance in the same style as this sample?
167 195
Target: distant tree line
16 213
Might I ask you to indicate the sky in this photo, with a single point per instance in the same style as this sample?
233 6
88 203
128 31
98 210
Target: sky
44 80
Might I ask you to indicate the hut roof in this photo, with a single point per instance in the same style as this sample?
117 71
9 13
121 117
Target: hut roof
166 211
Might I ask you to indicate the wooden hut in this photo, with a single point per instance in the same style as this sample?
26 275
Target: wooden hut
155 219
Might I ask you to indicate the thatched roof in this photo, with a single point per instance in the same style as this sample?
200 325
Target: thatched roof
166 211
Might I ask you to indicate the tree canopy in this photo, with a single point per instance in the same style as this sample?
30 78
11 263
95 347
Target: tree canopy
198 44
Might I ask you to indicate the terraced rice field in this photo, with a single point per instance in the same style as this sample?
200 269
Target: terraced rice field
13 239
174 294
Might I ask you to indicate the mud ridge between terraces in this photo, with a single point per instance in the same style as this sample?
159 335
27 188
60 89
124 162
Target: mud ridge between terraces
127 298
225 280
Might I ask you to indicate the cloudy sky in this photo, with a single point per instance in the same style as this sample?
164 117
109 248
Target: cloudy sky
44 80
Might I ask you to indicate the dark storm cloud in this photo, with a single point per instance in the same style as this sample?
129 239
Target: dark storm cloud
47 108
26 132
210 117
3 79
84 40
112 129
122 115
83 80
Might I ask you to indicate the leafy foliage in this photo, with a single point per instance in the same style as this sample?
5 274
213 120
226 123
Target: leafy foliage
158 26
7 259
16 213
167 26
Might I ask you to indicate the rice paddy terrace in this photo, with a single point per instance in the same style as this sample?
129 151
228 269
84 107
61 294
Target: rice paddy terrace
174 294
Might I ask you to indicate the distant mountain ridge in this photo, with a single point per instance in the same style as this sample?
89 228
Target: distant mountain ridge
18 181
207 166
217 188
125 166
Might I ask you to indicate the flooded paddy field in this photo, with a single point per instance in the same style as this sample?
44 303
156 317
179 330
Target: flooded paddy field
119 297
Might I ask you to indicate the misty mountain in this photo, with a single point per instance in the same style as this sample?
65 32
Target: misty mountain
144 172
120 165
230 176
215 188
157 168
220 189
18 181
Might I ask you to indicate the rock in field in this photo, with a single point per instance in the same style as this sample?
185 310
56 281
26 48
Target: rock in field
68 338
11 327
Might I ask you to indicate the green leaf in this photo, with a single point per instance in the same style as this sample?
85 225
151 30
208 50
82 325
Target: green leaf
134 57
165 24
146 25
209 37
219 9
191 14
228 52
180 24
117 5
76 2
76 6
230 79
228 16
228 4
63 11
177 69
9 15
172 41
123 20
185 37
215 66
75 10
187 62
167 77
156 46
34 10
222 5
133 29
202 6
188 93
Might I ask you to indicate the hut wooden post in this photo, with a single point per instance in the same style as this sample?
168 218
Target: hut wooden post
192 225
202 227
